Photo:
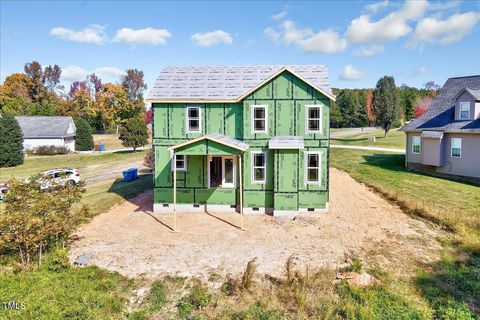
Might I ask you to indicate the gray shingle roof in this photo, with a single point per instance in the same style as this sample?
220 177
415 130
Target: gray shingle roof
286 142
474 92
432 134
228 140
228 83
441 114
46 127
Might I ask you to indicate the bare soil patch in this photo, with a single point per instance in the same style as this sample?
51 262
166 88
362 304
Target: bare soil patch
134 241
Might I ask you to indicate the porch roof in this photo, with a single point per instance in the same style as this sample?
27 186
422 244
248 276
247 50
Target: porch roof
210 144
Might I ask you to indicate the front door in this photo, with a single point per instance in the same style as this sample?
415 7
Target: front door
222 172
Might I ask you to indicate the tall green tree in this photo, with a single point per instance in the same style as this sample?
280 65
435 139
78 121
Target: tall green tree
386 103
11 141
84 138
134 133
362 111
348 104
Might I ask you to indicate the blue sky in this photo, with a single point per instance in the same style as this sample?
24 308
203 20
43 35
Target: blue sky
359 41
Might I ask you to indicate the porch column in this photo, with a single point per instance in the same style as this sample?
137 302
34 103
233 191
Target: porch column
174 192
241 189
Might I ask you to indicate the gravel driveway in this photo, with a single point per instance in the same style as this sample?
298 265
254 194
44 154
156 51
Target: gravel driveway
134 241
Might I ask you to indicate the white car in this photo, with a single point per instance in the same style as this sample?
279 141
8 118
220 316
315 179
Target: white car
3 191
62 176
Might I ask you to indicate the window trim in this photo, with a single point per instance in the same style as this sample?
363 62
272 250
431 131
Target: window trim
254 106
460 110
184 162
307 107
451 148
306 167
253 167
187 118
419 145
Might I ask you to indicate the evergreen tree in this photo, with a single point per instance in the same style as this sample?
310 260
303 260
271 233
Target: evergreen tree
84 138
386 103
11 141
348 104
336 119
362 112
134 133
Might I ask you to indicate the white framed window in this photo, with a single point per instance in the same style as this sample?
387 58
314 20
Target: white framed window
313 118
259 167
416 144
464 113
312 167
193 119
259 119
180 162
456 146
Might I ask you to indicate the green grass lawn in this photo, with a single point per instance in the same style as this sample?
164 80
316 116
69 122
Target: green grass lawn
87 164
395 139
110 141
451 285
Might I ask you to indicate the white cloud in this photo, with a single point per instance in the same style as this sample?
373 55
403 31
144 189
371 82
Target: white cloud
367 51
374 7
324 41
74 73
142 36
452 29
279 16
90 34
440 6
109 71
418 71
350 74
209 39
389 28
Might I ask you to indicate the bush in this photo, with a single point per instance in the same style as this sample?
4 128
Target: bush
157 296
134 133
84 138
11 141
197 299
149 160
57 260
50 150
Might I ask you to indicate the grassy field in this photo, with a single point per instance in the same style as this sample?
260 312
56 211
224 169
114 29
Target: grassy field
88 165
110 141
395 139
451 285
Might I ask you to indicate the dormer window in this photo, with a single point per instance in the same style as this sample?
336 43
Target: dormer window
464 113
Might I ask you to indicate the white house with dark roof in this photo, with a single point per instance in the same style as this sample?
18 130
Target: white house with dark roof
446 139
39 131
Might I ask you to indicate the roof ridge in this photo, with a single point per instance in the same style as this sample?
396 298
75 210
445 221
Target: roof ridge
463 77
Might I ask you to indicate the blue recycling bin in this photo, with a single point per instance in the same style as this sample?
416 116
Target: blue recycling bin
130 174
101 147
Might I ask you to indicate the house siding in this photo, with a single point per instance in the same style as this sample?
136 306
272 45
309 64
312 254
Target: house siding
466 165
286 97
465 97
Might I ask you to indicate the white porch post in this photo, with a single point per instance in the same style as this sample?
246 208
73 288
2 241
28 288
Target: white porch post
241 189
174 192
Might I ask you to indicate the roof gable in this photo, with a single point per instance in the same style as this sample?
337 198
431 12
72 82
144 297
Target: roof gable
229 83
46 126
441 114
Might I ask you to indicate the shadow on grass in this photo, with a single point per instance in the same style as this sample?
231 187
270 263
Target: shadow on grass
396 162
452 286
130 190
126 151
348 140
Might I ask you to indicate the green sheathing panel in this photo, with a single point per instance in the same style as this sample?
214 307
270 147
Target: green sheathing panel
234 120
248 183
286 201
164 195
214 115
162 167
311 199
258 199
196 174
283 86
324 170
160 116
285 118
286 173
247 119
216 196
206 147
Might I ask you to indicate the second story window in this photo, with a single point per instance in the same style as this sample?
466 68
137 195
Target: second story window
464 110
456 147
193 119
313 119
259 119
416 145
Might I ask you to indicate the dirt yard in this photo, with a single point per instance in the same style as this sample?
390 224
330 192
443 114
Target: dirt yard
134 241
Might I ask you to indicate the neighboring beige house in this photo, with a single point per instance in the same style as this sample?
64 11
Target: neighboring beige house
39 131
446 139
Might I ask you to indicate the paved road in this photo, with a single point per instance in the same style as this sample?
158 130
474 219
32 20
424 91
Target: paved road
396 150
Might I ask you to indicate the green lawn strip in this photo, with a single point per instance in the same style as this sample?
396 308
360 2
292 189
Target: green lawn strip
102 196
451 285
110 141
396 139
87 164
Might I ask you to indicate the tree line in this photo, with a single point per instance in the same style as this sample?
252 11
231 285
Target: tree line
361 107
38 91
